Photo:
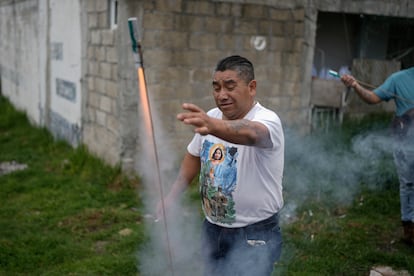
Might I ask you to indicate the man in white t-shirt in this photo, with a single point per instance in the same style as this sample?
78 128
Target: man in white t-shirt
238 151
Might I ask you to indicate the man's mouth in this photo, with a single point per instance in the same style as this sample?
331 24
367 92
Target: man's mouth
225 105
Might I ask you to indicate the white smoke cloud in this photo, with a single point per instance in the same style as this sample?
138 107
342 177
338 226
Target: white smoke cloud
318 167
171 248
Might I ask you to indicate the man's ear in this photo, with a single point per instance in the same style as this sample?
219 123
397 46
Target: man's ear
252 87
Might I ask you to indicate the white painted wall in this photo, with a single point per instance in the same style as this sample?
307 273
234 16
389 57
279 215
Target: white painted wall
65 64
22 55
40 48
43 55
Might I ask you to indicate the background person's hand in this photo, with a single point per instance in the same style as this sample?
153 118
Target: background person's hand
349 80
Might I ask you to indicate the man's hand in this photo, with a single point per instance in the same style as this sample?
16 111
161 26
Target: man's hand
167 203
190 167
196 117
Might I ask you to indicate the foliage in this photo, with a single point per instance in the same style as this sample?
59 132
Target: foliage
69 213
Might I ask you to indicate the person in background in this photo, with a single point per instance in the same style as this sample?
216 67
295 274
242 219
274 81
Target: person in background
240 197
400 88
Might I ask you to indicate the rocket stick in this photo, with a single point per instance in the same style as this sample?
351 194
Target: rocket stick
137 52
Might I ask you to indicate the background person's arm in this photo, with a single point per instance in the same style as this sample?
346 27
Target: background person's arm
366 95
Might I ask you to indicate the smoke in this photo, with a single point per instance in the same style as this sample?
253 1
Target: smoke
317 168
172 244
324 168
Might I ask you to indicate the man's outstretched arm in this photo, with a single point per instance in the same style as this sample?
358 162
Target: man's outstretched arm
244 132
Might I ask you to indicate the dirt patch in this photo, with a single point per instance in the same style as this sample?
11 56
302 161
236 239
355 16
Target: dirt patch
387 271
11 166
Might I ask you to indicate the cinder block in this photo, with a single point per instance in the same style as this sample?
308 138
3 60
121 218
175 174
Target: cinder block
92 20
93 68
108 37
253 11
158 21
105 70
112 89
100 53
111 54
113 124
101 5
100 85
100 117
202 41
105 104
90 5
95 37
103 20
199 7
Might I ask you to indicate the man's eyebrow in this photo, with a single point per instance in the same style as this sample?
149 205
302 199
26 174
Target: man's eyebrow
230 81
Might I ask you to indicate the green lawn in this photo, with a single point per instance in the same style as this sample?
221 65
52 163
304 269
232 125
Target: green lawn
68 213
64 213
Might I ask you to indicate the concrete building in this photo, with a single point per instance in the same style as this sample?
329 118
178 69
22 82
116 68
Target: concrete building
68 63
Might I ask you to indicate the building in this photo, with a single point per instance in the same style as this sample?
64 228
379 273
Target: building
68 63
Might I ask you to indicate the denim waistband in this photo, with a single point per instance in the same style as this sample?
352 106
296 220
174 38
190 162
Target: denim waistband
272 220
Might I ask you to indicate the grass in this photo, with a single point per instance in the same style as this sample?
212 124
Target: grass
70 214
64 213
331 236
350 241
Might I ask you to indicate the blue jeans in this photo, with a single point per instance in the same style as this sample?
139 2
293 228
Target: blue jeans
404 161
250 250
403 134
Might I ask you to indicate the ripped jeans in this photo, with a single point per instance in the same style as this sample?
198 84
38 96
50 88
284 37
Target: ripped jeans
250 250
404 161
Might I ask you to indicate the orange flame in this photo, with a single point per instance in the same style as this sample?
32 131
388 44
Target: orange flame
145 104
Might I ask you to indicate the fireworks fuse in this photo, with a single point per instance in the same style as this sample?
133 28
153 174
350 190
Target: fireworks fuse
334 73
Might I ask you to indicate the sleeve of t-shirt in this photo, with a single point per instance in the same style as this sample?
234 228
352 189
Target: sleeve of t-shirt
194 146
386 90
273 124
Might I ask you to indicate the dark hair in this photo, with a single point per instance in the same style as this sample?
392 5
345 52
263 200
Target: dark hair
214 153
241 65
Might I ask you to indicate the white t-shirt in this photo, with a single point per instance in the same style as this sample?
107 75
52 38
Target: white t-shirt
239 184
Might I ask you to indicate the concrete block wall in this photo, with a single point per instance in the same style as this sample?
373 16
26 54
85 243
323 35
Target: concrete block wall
182 43
101 124
399 8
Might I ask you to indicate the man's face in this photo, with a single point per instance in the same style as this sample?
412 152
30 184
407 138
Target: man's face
233 96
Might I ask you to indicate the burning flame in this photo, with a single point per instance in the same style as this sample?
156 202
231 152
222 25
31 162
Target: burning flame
145 105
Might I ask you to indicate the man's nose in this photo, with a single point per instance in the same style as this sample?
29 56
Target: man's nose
222 94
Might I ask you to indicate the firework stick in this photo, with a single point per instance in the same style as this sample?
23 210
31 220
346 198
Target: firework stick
336 75
370 86
137 52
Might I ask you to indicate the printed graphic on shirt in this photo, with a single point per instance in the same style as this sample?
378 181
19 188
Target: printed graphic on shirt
218 178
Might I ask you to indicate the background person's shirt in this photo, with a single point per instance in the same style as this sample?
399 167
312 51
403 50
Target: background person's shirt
400 87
